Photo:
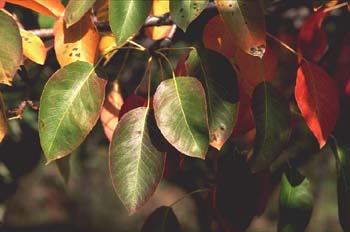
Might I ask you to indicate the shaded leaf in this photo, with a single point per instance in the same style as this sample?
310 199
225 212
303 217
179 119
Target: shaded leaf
342 69
312 39
246 23
33 47
163 219
75 10
132 102
3 119
10 52
317 98
63 166
295 203
127 17
110 110
183 12
53 8
79 42
159 7
136 165
221 86
101 10
342 158
70 105
181 115
272 119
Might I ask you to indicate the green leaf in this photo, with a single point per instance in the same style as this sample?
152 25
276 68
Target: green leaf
136 165
272 119
181 115
221 86
3 119
183 12
296 203
75 10
10 48
163 219
63 166
246 22
342 157
127 17
69 108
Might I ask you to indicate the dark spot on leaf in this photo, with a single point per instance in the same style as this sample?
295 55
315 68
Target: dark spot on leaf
70 54
182 16
77 55
230 5
75 49
222 127
181 9
25 38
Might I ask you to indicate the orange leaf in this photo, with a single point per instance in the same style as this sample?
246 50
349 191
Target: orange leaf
106 45
2 3
159 7
52 8
312 40
78 42
317 98
110 110
33 47
217 37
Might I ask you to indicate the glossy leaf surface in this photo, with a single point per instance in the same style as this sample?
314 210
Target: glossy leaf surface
317 98
75 10
69 108
3 119
272 119
221 86
53 8
127 17
246 23
136 165
163 219
10 53
33 47
76 43
181 115
183 12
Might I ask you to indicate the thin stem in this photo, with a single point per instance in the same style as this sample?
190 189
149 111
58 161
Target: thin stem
168 61
189 194
172 49
149 65
336 7
137 45
161 69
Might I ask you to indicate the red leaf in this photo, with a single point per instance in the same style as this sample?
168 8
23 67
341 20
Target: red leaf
342 70
2 3
132 102
181 69
317 98
312 40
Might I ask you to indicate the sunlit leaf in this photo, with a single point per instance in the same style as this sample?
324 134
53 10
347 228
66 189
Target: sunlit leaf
2 3
221 86
317 98
79 42
159 7
246 23
69 108
75 10
272 120
136 165
52 8
3 119
295 203
127 17
107 45
110 110
163 219
342 158
183 12
10 48
33 47
312 39
181 115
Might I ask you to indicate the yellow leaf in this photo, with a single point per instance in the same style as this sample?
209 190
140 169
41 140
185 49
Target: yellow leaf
3 119
106 45
110 110
52 8
78 42
159 7
33 47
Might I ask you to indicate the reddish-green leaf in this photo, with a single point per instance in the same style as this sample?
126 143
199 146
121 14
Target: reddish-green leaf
295 203
127 17
163 219
136 165
3 119
312 39
69 108
246 23
272 120
75 10
52 8
183 12
181 115
317 98
221 86
10 48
